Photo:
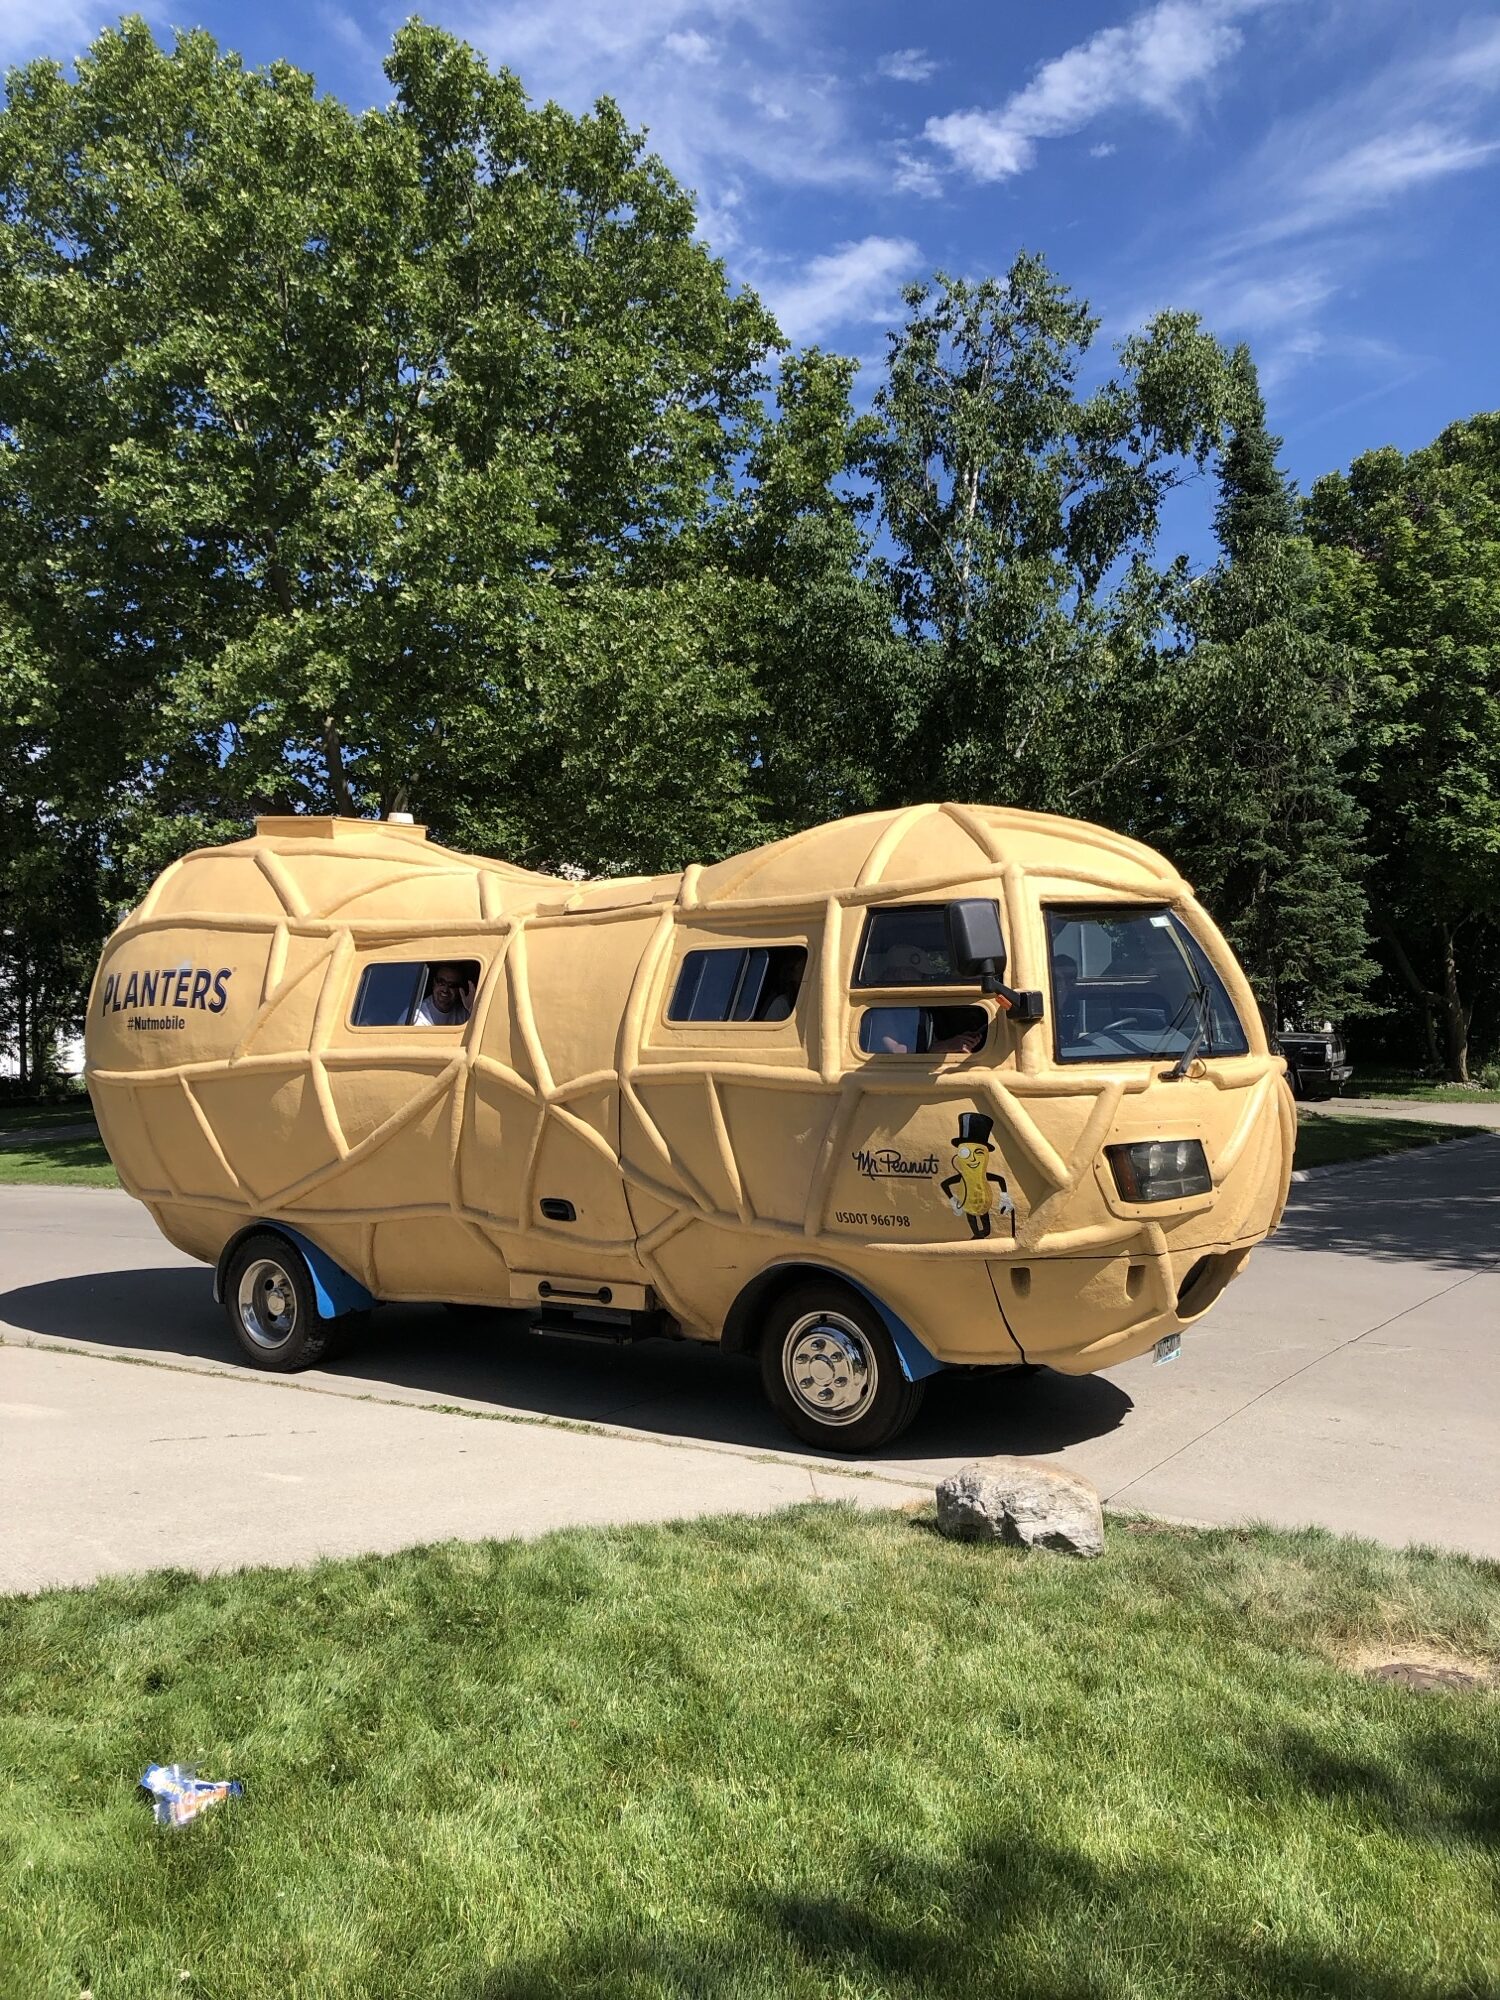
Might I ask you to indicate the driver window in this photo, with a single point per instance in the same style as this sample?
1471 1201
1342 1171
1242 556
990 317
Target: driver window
907 947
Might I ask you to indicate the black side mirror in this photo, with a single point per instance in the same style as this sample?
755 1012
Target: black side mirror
978 951
974 934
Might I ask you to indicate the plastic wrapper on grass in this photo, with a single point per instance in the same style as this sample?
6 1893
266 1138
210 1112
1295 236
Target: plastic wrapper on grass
178 1794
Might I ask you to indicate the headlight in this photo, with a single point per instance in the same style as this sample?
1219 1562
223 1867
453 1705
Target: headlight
1161 1169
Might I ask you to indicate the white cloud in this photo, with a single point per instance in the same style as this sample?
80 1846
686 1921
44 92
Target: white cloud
1473 62
688 45
1371 173
1408 127
1155 62
1292 247
727 90
854 285
907 66
351 36
915 175
60 28
1233 303
1101 152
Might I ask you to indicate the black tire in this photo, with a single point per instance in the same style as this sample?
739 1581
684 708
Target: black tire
853 1395
273 1310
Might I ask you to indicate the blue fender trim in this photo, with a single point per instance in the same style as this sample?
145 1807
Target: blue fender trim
916 1361
335 1290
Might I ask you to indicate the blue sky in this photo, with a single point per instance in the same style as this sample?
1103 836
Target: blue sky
1320 178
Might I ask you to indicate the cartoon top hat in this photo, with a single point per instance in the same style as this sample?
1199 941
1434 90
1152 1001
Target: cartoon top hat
974 1128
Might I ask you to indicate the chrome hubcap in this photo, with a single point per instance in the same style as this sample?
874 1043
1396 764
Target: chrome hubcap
268 1303
829 1366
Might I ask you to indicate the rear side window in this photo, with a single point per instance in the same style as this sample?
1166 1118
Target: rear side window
907 948
739 983
423 993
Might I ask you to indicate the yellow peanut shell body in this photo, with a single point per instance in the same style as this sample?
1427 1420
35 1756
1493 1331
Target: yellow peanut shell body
697 1156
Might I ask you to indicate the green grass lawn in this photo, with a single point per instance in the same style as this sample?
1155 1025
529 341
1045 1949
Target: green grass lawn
1420 1088
1324 1140
35 1117
57 1163
822 1754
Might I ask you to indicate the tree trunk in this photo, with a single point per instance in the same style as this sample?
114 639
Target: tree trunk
1423 993
333 750
23 1025
1455 1014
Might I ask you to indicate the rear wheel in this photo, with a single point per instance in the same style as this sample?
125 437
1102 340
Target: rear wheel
273 1310
831 1371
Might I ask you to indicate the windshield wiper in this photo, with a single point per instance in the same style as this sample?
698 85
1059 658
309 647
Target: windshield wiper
1201 1034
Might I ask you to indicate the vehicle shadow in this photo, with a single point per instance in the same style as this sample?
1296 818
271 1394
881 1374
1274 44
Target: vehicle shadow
665 1388
1435 1205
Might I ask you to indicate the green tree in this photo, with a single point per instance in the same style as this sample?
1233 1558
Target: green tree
372 462
1021 515
1253 801
1409 548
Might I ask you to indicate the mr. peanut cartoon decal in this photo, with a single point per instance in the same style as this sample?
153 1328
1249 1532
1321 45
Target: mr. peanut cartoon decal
972 1190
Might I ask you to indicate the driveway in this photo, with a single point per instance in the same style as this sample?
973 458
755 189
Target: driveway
1350 1378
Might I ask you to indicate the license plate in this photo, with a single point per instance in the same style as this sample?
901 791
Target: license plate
1168 1347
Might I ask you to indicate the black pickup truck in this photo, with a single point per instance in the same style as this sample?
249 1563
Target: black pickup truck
1316 1062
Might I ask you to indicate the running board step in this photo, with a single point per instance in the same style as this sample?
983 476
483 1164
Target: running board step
583 1322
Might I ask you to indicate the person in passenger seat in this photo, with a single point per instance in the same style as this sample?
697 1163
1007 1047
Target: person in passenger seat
957 1031
450 998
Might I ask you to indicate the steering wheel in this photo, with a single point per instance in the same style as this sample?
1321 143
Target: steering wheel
1125 1021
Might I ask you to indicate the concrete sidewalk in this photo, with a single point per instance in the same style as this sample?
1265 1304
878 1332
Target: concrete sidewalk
1351 1378
1446 1111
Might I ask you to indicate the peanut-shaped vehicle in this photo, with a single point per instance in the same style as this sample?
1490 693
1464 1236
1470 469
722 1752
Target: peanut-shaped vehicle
947 1086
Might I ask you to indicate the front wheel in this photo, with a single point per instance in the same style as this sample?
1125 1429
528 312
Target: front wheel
831 1371
273 1311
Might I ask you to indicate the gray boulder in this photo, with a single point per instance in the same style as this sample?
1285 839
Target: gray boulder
1020 1500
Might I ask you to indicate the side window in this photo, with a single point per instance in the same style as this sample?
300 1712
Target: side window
906 948
739 983
923 1031
423 993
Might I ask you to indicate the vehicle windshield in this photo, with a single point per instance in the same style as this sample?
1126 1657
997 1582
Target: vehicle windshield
1131 984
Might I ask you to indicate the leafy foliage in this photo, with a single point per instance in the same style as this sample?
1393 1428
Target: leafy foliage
1409 549
353 453
1257 809
1021 515
424 459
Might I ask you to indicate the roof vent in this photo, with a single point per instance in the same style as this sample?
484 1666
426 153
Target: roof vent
401 819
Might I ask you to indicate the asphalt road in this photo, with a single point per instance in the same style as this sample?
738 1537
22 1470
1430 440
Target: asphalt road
1350 1378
